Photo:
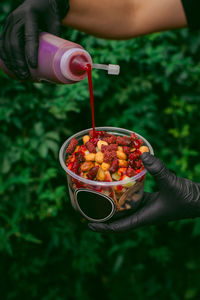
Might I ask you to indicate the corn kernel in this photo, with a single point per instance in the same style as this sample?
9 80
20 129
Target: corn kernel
100 175
123 163
105 166
86 166
144 149
121 155
100 143
86 138
90 157
99 157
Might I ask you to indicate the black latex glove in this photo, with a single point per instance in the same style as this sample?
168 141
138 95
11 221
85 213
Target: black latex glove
178 198
20 35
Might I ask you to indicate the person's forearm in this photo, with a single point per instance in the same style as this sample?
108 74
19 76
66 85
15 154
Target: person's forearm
121 19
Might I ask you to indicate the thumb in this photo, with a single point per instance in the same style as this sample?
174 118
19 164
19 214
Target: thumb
55 26
146 215
31 40
117 226
158 170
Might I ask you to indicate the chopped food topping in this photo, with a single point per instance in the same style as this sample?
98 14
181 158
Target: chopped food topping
99 157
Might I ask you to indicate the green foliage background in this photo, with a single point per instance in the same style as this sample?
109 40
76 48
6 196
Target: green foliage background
47 251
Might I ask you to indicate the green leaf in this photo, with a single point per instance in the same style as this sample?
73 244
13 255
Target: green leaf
43 150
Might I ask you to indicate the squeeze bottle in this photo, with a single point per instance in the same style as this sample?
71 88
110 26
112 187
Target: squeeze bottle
61 61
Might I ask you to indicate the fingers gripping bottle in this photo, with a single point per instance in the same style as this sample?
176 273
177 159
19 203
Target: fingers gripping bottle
59 61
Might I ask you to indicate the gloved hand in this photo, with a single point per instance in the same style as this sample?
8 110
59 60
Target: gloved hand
20 35
177 198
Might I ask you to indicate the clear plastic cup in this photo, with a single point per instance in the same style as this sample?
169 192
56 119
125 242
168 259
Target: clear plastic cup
99 201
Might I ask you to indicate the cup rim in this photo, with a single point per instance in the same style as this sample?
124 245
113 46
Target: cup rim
102 183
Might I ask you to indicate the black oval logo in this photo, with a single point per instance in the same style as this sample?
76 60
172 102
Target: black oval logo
94 206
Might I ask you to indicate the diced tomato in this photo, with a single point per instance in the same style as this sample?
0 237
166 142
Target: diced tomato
122 171
70 165
108 176
82 148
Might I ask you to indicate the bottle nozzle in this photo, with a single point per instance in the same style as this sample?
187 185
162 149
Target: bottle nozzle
112 69
78 65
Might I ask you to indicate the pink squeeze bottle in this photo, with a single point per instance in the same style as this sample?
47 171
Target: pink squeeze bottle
59 61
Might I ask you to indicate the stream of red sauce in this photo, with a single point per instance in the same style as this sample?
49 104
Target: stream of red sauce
89 73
